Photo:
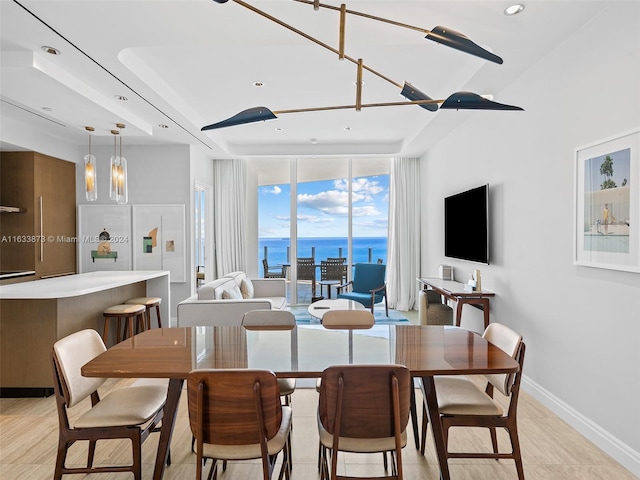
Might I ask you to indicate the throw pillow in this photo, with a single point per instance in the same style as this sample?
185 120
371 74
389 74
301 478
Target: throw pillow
233 293
246 287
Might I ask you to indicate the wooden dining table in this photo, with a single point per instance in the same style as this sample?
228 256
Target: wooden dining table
299 353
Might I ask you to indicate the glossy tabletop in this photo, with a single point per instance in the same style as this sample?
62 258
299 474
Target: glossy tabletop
302 352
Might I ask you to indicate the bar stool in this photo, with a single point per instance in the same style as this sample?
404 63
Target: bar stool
148 302
127 312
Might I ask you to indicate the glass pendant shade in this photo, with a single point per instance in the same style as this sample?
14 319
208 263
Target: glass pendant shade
118 184
90 180
90 184
118 190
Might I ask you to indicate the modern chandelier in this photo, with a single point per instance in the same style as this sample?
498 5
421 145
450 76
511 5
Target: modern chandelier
439 34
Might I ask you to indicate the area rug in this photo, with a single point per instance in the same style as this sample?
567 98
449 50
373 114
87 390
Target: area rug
304 318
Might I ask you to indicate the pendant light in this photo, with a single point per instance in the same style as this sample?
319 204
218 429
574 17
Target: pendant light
90 183
118 190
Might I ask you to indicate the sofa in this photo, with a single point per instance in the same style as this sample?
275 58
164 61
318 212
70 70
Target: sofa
224 301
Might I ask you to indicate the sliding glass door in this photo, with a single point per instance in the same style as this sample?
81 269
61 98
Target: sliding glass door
340 207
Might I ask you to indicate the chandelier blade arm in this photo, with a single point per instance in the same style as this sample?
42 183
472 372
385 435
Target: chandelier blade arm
251 115
458 41
412 93
473 101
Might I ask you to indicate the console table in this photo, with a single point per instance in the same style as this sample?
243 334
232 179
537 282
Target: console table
456 291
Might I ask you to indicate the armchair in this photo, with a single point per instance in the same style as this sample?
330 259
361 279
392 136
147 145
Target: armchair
368 286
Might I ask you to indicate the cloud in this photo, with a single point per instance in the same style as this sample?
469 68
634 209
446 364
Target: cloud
335 202
276 190
315 219
364 188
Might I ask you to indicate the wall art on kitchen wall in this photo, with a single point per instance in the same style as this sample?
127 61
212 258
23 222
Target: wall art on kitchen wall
104 237
159 239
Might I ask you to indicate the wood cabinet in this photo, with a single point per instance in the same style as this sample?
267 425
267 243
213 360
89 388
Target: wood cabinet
43 237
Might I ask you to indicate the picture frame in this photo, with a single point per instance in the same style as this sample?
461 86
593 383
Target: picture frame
607 203
104 238
159 240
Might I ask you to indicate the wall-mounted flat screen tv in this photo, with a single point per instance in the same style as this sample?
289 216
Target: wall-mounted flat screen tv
466 225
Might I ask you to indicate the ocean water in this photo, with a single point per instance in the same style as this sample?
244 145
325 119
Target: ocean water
365 249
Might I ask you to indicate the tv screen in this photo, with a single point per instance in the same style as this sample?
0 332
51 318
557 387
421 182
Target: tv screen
466 225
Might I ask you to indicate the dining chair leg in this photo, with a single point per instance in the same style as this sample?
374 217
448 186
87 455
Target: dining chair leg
414 416
91 454
429 393
515 448
494 439
425 422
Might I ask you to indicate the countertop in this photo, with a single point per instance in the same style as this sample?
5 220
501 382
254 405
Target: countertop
75 285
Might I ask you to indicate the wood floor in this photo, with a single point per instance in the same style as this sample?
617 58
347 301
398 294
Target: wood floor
551 449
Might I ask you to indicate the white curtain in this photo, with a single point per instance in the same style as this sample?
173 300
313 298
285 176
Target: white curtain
403 262
229 215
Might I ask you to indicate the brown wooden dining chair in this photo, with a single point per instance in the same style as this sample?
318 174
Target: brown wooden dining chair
363 409
340 320
129 412
236 414
273 320
348 319
463 404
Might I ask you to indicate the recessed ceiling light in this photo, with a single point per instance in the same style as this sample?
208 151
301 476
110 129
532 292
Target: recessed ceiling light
122 98
51 50
514 9
278 129
258 84
162 125
313 140
347 128
47 109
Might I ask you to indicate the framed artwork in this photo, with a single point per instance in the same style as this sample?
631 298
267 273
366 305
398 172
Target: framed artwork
104 237
607 203
159 239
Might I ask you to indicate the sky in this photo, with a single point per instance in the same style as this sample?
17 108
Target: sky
621 169
323 208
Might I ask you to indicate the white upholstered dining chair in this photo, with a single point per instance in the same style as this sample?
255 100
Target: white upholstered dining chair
130 412
463 404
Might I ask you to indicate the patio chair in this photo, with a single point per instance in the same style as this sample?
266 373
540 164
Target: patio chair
368 286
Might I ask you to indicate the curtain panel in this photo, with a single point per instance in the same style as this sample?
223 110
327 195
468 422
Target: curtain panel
403 262
229 215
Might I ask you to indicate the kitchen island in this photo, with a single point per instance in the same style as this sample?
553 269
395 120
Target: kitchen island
34 315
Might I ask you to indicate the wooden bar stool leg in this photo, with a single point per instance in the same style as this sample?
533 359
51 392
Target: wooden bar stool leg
105 330
143 322
130 325
158 315
118 329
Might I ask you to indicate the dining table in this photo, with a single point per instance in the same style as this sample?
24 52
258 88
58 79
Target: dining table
303 352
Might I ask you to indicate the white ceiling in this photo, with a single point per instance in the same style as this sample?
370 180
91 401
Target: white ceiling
190 63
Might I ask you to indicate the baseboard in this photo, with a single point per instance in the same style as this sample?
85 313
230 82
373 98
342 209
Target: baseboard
618 450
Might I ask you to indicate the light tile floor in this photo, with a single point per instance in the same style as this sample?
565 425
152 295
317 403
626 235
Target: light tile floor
551 449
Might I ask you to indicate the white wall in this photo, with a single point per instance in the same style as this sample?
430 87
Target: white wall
581 325
156 175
